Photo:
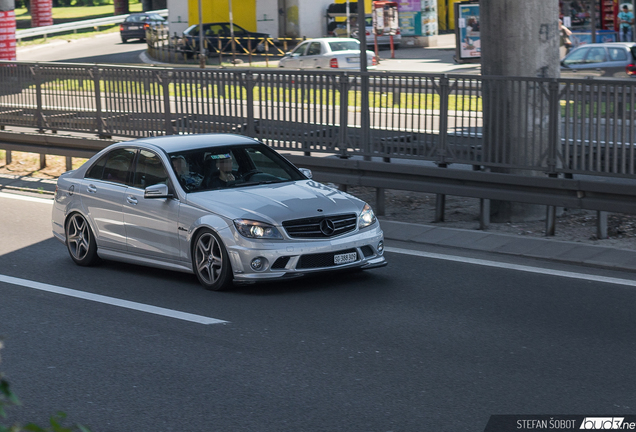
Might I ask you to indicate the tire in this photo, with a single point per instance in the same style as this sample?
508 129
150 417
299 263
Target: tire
124 40
211 262
80 241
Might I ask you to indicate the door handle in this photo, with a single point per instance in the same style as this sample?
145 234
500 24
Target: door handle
131 200
91 188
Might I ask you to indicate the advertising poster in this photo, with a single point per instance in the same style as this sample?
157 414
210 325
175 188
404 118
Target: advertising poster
429 17
409 6
467 31
410 23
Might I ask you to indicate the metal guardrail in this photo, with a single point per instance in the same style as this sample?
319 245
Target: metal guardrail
553 126
602 196
77 25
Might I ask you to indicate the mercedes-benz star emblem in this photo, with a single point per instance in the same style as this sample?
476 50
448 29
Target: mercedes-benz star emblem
327 227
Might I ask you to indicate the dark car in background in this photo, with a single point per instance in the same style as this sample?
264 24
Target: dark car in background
218 38
136 24
610 60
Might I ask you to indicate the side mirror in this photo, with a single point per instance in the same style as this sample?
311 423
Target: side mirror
158 190
306 172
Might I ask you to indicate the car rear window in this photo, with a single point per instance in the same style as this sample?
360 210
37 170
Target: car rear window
344 45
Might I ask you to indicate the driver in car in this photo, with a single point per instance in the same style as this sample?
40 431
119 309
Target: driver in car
224 168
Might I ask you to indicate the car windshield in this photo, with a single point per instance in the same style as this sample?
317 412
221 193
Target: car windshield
230 167
344 45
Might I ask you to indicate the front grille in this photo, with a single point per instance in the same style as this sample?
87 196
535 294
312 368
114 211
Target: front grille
321 226
319 260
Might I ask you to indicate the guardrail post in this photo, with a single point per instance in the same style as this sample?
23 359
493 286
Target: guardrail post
601 225
444 91
249 89
553 125
164 78
365 120
344 114
38 97
97 83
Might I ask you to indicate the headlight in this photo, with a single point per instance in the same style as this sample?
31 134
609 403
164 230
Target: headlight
256 230
367 217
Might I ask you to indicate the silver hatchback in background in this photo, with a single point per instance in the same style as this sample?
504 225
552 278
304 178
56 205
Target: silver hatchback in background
224 207
327 53
610 60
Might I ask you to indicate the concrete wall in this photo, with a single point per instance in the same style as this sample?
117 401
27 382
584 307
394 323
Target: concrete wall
178 16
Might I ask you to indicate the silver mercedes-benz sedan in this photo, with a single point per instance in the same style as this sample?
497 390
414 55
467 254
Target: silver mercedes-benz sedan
225 207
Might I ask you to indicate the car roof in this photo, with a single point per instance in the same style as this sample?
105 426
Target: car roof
610 44
332 39
173 143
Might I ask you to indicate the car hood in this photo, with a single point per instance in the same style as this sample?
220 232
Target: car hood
275 203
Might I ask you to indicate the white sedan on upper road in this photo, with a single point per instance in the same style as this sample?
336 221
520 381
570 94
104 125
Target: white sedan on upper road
327 53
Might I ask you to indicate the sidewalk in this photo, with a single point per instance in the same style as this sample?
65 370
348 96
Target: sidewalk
505 244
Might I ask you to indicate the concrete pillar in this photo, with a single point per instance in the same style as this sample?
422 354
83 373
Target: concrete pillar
121 7
7 30
41 13
518 39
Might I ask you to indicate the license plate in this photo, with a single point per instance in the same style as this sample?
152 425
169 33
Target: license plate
133 28
345 258
353 59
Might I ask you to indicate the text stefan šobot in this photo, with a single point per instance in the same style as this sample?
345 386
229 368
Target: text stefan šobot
588 423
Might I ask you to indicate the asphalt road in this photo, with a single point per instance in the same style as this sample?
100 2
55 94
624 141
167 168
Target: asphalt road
109 49
419 345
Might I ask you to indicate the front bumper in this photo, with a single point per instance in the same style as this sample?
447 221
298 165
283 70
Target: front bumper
288 259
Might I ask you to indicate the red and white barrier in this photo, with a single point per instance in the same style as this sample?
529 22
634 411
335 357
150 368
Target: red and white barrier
7 35
41 13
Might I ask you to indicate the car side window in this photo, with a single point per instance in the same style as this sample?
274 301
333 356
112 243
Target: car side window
114 166
617 54
149 170
300 49
576 57
596 55
213 30
314 49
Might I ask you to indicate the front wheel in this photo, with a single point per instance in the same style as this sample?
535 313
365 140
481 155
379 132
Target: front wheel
210 261
80 241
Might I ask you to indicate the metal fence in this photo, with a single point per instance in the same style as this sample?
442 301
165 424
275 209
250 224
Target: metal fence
553 126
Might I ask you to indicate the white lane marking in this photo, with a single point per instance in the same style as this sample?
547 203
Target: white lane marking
184 316
529 269
26 198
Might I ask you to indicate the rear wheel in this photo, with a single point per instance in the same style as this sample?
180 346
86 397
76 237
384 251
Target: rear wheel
80 241
210 261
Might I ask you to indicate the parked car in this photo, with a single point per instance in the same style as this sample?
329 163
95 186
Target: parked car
327 53
136 24
611 59
219 34
224 207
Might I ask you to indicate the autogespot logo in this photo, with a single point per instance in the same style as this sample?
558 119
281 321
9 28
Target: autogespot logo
606 423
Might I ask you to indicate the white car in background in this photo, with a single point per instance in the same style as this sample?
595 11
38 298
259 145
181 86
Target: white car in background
327 53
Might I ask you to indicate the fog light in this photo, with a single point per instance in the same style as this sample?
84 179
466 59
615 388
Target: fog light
258 264
380 247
